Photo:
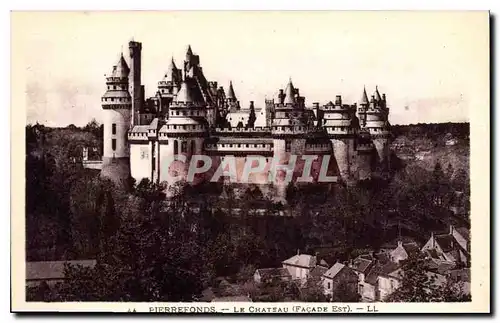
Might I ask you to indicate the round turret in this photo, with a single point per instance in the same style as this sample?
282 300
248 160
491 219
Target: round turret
117 106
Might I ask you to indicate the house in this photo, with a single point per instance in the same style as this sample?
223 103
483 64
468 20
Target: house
453 246
300 266
378 276
339 274
381 280
271 275
403 251
51 272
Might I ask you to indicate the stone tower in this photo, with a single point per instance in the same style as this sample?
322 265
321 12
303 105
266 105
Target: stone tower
289 131
117 106
338 121
135 87
183 134
377 124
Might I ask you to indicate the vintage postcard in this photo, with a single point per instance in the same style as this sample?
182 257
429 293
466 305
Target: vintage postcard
251 162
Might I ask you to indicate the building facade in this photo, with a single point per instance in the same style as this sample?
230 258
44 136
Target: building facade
158 137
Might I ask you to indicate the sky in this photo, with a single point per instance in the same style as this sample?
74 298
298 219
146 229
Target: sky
433 66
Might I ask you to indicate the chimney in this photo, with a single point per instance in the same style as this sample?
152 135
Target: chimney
383 96
338 100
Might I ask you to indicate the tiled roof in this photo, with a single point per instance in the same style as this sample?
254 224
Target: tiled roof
140 128
440 266
230 92
334 270
290 93
464 232
445 241
377 94
306 261
361 264
121 69
52 269
364 97
318 271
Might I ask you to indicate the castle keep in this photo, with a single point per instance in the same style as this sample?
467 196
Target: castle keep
190 115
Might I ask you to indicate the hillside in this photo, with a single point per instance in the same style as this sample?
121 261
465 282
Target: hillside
423 145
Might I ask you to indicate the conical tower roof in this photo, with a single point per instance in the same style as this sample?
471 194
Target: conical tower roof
184 94
121 68
364 97
377 94
290 93
172 66
230 92
171 74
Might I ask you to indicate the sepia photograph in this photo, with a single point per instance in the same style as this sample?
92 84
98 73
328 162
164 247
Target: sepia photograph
251 162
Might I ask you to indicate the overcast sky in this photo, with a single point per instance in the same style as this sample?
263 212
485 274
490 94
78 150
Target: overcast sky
432 66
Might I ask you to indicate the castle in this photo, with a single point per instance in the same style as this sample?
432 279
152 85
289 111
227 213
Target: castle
191 116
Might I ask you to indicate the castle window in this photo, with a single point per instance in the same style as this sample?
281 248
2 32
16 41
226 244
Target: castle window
239 145
175 127
176 113
283 128
112 99
192 146
184 127
247 145
113 144
183 147
288 146
114 87
113 128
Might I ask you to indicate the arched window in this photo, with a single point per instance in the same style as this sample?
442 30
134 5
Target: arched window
176 147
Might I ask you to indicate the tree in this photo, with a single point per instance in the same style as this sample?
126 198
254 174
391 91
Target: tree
449 171
313 292
420 285
344 294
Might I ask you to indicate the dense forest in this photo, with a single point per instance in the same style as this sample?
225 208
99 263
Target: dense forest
152 249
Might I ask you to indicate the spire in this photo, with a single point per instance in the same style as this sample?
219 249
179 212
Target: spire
171 74
230 92
121 69
377 94
184 94
189 53
290 93
172 66
364 97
